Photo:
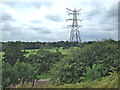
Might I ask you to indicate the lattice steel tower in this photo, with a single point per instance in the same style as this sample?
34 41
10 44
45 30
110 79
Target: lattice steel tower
75 33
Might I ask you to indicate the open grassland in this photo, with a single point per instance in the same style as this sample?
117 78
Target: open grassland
63 51
31 51
34 51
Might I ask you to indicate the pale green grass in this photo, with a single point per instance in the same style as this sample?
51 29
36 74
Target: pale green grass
1 55
63 51
31 51
51 50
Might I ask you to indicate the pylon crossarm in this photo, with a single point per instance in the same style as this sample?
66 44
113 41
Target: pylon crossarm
69 19
69 9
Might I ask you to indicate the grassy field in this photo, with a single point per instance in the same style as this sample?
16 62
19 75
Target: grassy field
31 51
63 51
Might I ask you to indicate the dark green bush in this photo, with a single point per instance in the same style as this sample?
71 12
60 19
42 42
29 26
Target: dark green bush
97 57
12 74
9 75
44 60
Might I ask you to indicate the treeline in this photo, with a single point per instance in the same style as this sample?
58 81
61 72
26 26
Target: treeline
38 45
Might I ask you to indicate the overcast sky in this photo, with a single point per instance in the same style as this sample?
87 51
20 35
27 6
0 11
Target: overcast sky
46 21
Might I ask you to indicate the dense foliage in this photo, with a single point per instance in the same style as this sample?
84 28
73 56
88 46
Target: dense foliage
12 74
89 63
13 53
39 45
84 62
44 60
15 64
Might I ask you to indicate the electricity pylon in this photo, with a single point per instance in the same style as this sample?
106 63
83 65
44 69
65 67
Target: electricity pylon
75 33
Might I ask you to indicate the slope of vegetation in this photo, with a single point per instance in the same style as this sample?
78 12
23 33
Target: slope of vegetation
110 81
90 64
86 64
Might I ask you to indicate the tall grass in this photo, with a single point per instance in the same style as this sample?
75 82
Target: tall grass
110 81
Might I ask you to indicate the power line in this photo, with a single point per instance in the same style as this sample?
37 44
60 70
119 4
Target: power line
75 33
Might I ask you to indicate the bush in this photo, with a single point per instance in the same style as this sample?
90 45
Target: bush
44 60
12 74
9 75
97 57
92 73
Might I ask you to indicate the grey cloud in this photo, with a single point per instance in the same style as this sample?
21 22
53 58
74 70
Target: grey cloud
17 33
10 32
119 21
109 20
28 4
14 35
48 4
35 28
42 30
7 17
26 35
111 15
64 27
92 34
104 21
36 21
119 12
23 4
46 31
112 12
8 27
92 4
110 25
92 13
36 4
11 4
55 18
96 8
109 29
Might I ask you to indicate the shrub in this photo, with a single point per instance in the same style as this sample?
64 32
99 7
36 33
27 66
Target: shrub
97 57
12 74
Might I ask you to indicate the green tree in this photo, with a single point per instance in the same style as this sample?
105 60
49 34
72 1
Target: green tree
13 53
97 57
